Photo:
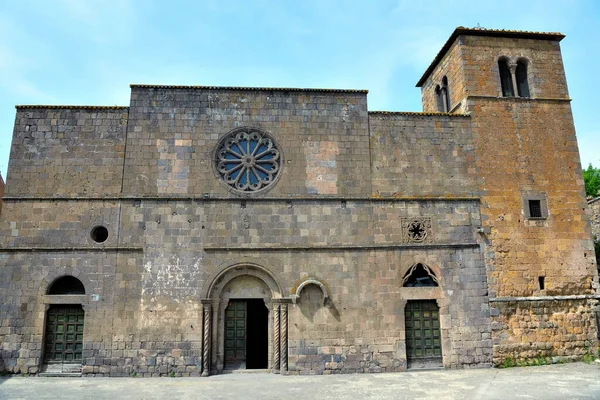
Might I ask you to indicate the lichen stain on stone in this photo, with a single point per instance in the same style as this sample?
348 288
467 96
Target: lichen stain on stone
171 280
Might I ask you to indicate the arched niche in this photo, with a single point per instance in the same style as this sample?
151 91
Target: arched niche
296 292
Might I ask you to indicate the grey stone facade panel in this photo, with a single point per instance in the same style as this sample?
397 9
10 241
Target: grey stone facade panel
172 134
415 155
67 152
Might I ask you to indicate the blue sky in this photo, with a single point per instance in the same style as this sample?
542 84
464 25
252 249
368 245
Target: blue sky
89 51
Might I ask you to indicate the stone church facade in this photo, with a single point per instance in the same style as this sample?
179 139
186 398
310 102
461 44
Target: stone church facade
205 229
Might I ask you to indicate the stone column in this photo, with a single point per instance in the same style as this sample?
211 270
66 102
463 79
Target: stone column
513 75
206 342
283 338
276 333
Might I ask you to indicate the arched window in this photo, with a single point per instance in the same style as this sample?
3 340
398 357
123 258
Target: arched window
66 285
505 78
419 275
521 75
439 100
445 94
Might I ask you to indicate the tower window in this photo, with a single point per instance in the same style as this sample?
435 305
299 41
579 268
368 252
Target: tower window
535 205
506 78
521 75
439 100
541 282
535 209
445 94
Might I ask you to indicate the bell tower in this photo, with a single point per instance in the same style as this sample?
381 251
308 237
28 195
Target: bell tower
536 232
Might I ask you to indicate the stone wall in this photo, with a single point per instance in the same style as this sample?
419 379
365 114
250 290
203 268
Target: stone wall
422 155
182 243
543 328
67 151
1 192
147 279
450 66
594 207
172 134
526 148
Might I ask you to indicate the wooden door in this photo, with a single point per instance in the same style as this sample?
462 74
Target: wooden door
64 334
423 335
235 334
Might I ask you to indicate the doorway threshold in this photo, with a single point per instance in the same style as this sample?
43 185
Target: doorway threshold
246 371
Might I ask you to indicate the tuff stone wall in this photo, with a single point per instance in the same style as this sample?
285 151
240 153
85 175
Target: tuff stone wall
1 192
73 151
543 328
375 308
545 70
451 66
173 132
525 160
149 283
422 155
594 208
527 147
157 288
175 227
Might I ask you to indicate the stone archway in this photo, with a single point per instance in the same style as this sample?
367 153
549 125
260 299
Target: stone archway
243 287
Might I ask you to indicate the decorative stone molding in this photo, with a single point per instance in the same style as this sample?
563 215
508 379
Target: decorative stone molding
218 282
206 305
416 230
276 339
312 281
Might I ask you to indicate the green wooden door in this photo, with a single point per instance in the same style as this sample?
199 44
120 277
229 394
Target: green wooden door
64 334
423 336
235 334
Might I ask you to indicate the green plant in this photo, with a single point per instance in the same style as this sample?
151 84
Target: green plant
172 374
133 374
589 356
591 179
508 362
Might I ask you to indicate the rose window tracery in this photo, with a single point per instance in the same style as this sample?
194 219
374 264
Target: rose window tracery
248 160
416 229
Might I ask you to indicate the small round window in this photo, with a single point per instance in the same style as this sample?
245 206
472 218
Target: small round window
248 160
99 234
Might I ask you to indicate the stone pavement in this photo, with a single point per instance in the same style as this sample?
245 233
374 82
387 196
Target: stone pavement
566 381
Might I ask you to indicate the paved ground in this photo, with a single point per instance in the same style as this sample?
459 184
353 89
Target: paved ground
566 381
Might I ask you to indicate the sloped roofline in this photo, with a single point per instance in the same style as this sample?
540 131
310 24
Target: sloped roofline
461 30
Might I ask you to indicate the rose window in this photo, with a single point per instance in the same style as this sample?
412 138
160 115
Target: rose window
416 230
248 160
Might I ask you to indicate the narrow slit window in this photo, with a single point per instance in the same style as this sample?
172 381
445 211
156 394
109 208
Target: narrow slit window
521 75
505 78
535 209
541 282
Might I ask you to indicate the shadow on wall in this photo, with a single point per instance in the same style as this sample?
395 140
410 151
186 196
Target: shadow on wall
311 301
4 375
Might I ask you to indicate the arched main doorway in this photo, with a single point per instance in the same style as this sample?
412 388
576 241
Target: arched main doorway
246 324
242 320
